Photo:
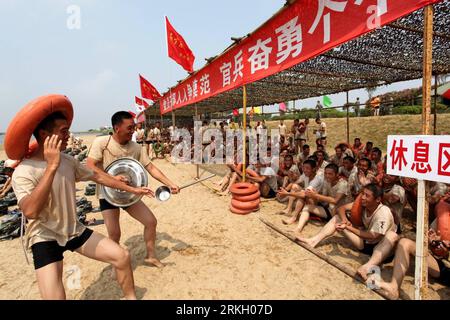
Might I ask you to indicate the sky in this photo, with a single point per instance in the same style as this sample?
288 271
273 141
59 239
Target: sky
97 64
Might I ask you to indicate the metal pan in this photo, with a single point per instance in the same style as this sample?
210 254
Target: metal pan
163 193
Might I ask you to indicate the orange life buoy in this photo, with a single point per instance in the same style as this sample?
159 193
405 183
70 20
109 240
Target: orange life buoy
356 211
243 189
20 130
33 146
252 197
31 149
443 219
239 211
250 205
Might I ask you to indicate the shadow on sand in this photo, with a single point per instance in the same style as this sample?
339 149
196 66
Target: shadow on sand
105 288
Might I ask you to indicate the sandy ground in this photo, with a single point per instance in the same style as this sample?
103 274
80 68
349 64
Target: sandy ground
209 253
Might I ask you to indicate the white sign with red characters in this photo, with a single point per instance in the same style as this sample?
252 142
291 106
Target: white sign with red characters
420 157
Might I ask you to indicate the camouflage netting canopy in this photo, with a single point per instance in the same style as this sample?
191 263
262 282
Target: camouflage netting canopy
390 54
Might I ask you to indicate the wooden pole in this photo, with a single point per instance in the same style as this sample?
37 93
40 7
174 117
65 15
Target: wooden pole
421 272
244 120
173 119
145 126
347 270
348 121
435 104
197 165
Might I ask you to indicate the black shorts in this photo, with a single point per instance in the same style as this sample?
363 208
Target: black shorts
139 142
47 252
444 274
326 207
272 194
105 205
399 229
369 247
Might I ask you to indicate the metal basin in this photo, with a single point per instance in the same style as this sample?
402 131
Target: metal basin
136 176
163 193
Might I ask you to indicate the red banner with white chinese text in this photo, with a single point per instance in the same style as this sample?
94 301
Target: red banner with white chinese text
297 33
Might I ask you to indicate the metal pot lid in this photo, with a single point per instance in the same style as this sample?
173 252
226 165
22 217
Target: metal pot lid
136 175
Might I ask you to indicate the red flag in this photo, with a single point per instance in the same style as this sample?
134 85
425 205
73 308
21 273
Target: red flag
178 49
132 113
140 118
141 102
148 91
235 112
446 94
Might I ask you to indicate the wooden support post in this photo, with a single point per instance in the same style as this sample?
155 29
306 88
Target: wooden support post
197 165
244 132
435 104
348 120
421 272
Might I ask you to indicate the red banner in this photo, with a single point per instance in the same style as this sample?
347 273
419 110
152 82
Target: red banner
178 49
297 33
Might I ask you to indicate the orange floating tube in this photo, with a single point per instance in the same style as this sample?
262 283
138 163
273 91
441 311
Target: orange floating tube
243 189
33 146
31 149
443 219
239 211
252 197
356 212
250 205
20 130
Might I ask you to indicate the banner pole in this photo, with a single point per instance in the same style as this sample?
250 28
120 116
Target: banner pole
145 128
197 165
421 272
435 104
348 120
244 138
